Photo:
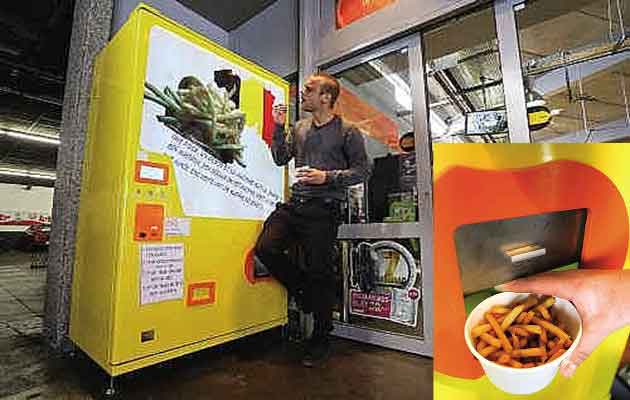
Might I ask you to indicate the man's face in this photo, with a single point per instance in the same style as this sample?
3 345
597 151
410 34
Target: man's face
311 96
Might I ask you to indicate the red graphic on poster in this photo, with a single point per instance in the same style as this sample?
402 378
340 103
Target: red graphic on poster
268 123
371 304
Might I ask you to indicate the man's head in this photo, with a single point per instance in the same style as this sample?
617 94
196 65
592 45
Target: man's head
320 92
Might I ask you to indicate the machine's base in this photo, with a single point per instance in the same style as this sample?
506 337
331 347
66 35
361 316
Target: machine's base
123 368
385 339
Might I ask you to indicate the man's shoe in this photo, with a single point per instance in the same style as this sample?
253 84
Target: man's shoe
316 352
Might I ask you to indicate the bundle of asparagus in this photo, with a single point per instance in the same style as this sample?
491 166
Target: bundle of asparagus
204 114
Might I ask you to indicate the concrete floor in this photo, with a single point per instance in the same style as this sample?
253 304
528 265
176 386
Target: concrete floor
258 367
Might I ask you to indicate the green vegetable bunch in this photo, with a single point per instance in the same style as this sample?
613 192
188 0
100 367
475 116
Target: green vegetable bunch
204 114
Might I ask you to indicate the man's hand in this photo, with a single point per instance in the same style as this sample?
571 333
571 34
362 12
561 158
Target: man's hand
310 176
279 114
602 297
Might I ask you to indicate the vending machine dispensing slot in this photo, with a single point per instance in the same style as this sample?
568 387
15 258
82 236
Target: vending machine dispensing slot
494 252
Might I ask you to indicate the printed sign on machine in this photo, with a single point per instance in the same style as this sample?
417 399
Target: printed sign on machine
162 272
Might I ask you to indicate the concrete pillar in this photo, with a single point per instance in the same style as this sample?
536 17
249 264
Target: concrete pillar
90 32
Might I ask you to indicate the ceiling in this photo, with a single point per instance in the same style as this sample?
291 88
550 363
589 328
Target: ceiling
228 14
464 72
545 28
34 43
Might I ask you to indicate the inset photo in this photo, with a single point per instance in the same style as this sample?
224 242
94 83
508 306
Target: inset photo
531 281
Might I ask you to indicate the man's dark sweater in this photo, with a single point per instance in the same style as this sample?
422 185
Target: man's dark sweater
334 147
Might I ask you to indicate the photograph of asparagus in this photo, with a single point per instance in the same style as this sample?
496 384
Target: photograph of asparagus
203 114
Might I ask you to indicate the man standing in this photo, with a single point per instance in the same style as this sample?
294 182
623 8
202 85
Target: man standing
329 156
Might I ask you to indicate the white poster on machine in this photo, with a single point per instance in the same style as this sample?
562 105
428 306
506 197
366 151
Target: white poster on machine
212 117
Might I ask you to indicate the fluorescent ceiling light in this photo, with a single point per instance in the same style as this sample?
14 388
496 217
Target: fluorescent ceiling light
27 174
39 137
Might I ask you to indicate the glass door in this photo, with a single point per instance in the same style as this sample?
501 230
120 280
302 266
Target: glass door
376 97
380 276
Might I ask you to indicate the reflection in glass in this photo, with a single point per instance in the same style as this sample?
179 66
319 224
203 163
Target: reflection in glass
376 97
464 80
578 76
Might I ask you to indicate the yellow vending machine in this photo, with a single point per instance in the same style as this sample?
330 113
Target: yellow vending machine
178 178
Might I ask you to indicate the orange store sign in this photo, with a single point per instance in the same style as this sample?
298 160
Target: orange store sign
349 11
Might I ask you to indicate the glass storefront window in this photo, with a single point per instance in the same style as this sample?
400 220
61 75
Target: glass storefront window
576 69
349 11
464 81
376 96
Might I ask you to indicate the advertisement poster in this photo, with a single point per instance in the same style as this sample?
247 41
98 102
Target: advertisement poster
384 280
213 119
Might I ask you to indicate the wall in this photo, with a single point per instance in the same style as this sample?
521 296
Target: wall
15 197
270 39
175 11
19 204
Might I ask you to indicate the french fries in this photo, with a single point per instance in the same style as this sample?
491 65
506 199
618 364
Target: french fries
522 335
480 329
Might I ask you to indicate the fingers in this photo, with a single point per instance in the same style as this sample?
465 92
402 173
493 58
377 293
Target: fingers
303 172
280 108
551 283
310 176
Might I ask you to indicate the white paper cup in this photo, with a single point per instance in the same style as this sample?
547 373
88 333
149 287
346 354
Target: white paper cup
523 380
